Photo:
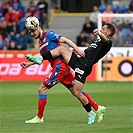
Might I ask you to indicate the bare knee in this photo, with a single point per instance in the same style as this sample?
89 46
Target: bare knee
62 49
42 89
76 94
58 51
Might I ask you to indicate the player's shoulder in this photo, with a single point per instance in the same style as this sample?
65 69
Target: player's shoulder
109 41
50 32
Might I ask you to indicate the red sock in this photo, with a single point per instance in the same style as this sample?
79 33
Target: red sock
41 104
91 101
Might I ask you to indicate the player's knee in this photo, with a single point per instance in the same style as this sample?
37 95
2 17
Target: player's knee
42 89
76 94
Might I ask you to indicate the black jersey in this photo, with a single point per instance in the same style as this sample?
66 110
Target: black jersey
96 51
83 65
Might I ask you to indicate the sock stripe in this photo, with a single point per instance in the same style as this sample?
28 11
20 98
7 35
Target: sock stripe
83 92
42 96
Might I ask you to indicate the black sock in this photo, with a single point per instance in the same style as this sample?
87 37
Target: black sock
47 56
87 107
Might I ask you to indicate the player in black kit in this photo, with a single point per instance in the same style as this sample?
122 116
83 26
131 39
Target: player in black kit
83 65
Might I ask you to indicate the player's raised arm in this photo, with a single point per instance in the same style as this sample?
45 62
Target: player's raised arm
106 32
101 35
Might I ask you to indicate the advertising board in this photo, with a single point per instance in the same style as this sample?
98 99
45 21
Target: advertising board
10 69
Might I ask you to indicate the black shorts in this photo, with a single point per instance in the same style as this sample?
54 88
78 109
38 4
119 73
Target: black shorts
78 65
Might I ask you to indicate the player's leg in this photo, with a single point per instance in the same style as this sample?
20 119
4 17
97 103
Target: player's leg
61 50
91 100
42 91
49 82
78 89
70 83
100 110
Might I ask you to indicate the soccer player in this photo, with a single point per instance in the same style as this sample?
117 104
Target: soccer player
83 65
59 73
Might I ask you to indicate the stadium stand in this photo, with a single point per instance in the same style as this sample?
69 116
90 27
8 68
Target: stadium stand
14 12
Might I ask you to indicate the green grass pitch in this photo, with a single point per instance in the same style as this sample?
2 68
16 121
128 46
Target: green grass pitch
64 113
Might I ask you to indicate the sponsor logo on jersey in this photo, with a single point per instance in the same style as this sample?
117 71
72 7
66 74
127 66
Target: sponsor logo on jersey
93 45
45 44
79 76
56 35
79 71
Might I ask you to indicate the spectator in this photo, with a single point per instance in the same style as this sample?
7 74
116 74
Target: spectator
22 21
12 19
129 41
4 29
118 21
126 31
92 38
32 8
23 40
6 43
131 5
5 6
82 40
108 19
12 46
37 15
94 15
129 20
18 8
43 7
1 41
88 26
1 17
13 37
116 40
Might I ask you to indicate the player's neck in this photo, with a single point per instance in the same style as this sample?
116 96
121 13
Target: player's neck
41 34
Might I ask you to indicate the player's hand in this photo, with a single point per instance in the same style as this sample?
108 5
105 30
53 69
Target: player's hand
24 64
95 31
79 52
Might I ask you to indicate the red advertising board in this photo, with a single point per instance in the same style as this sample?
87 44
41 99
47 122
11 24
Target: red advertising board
10 69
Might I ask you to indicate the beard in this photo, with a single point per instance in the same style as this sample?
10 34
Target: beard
38 36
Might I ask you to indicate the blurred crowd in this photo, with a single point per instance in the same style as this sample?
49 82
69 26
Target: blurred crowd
124 25
13 35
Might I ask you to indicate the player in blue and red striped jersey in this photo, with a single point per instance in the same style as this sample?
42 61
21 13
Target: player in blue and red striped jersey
60 72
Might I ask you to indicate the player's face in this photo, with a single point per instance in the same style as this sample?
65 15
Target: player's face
35 33
106 31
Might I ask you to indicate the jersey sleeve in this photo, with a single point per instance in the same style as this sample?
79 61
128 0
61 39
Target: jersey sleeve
54 36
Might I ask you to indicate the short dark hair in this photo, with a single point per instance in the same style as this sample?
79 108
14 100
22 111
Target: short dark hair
112 28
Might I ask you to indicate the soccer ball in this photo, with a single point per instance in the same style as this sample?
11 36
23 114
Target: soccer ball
31 23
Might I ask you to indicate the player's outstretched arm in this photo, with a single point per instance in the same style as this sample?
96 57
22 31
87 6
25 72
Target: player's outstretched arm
26 64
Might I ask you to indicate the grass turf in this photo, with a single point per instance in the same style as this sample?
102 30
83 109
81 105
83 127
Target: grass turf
63 113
